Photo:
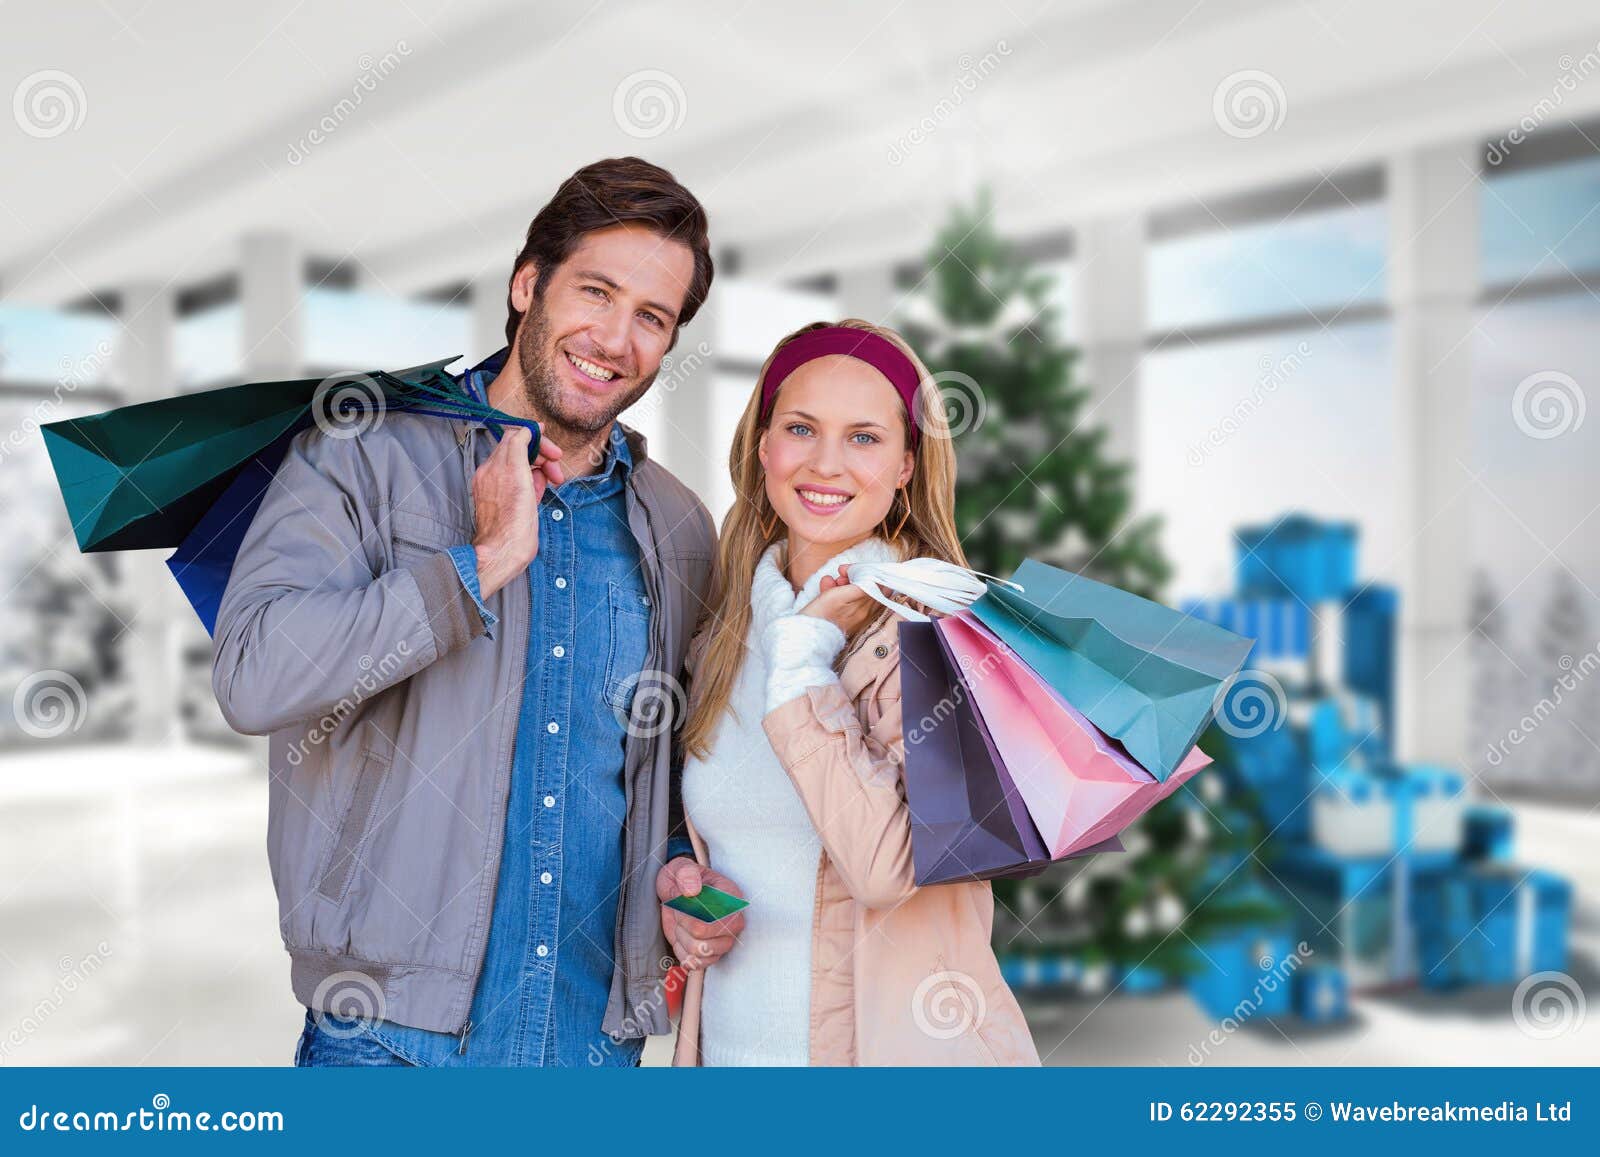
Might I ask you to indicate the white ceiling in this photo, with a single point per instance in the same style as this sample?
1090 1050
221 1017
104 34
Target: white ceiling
789 115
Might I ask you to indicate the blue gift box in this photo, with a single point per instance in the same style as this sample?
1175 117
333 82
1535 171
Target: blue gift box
1280 627
1142 979
1045 971
1524 918
1341 728
1369 650
1357 911
1245 973
1488 833
1273 765
1299 556
1449 950
1404 810
1322 994
1495 924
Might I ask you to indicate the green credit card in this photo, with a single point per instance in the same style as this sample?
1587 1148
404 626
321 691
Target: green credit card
708 904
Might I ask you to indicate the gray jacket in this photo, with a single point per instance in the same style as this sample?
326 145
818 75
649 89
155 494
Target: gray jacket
345 633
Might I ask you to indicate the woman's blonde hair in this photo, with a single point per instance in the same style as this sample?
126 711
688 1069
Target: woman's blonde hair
928 531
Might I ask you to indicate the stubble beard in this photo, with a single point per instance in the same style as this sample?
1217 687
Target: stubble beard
542 389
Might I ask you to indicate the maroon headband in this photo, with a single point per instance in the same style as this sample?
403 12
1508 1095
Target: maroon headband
878 352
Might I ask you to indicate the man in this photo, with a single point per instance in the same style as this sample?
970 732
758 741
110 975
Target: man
452 650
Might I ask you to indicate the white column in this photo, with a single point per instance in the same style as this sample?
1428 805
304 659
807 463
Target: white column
149 646
1109 292
271 282
868 293
1434 281
489 290
679 414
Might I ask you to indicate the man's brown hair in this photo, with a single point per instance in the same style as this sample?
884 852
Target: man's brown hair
616 191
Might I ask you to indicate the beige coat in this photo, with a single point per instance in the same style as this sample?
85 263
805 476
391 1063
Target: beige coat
900 975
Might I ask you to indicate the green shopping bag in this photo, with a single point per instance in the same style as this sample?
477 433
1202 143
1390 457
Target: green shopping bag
1141 672
143 476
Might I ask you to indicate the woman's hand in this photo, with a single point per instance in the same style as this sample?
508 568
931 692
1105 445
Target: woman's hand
845 606
696 943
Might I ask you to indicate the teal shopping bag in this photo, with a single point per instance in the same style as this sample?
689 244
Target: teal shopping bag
1143 673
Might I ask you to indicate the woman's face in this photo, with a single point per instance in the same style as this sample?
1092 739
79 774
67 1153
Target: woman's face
834 451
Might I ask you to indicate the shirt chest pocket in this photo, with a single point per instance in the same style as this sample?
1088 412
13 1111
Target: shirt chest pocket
628 616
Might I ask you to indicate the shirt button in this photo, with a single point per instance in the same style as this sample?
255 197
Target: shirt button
645 599
556 515
552 727
561 584
549 801
558 650
545 877
541 951
880 650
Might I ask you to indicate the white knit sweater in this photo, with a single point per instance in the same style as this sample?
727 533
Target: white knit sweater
757 1002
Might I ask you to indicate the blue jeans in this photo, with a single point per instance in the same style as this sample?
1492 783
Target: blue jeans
340 1043
333 1042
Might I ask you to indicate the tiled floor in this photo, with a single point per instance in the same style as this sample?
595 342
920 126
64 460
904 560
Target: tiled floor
138 926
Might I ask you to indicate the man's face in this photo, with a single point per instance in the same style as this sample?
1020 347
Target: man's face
593 344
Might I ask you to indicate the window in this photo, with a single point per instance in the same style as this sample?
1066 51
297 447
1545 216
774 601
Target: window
1541 222
205 347
346 330
1237 432
1316 262
51 346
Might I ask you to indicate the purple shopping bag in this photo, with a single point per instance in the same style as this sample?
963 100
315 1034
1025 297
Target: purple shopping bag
968 821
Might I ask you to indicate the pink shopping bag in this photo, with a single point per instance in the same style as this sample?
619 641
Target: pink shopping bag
1079 785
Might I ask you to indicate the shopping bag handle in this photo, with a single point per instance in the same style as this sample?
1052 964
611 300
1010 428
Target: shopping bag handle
938 585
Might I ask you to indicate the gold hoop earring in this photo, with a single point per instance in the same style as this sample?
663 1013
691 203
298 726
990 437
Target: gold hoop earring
894 535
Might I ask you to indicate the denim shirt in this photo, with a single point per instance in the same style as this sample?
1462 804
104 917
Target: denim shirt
546 977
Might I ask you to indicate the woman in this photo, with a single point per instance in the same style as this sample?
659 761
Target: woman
792 781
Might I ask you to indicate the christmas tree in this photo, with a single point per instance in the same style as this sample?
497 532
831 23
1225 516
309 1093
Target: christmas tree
1564 748
1498 681
1034 478
1034 481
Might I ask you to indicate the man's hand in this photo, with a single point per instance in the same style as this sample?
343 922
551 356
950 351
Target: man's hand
698 944
505 494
